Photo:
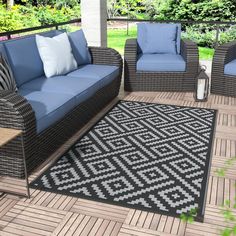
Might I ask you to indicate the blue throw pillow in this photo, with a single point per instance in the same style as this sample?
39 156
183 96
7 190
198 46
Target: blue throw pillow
23 57
79 47
159 38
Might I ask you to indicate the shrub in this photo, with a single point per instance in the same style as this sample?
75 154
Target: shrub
10 20
28 16
207 37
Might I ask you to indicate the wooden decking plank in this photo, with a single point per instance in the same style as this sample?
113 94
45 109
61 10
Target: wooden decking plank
169 224
82 225
102 228
89 226
101 208
95 228
155 221
135 217
116 229
109 228
85 202
129 216
138 231
162 223
62 224
70 227
175 226
142 219
27 229
33 224
6 206
148 220
43 221
98 213
220 192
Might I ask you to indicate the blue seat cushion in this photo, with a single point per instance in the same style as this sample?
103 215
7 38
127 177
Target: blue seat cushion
48 107
24 57
230 68
80 88
79 47
159 38
103 74
161 63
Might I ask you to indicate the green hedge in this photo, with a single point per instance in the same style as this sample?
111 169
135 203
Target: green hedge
206 37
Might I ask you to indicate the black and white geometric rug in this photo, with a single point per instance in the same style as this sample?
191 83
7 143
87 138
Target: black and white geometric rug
146 156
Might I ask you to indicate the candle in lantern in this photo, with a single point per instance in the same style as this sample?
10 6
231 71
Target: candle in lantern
201 89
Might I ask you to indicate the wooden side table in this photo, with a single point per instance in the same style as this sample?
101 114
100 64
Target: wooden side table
7 135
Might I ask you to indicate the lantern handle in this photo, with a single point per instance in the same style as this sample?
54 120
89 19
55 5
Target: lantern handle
203 67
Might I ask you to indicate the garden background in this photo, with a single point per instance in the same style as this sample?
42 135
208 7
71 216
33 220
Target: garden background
21 14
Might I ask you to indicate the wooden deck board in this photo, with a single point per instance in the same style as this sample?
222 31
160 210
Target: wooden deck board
55 214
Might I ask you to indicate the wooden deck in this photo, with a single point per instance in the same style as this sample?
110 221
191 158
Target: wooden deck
54 214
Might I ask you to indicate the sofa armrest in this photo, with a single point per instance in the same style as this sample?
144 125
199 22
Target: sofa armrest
17 113
130 58
189 51
106 56
223 55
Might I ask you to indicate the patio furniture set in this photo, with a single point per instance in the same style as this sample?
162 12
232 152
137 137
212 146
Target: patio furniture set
48 111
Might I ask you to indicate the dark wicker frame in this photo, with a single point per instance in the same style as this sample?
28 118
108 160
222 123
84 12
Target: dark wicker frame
222 84
161 81
16 113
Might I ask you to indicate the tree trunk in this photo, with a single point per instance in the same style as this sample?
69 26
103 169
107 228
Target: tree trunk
10 4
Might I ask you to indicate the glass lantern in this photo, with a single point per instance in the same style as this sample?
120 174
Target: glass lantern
201 86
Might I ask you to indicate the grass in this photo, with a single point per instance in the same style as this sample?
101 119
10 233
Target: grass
117 38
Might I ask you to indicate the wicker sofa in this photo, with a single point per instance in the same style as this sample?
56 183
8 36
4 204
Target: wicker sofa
169 72
83 93
223 78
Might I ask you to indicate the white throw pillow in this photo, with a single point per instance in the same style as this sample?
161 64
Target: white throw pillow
56 54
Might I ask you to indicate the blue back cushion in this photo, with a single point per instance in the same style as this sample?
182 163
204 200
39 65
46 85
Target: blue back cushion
159 38
80 48
24 57
230 68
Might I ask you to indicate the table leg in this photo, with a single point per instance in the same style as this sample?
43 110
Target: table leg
25 167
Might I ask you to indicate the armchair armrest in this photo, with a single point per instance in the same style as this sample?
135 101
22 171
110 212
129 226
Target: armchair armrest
106 56
223 55
130 59
189 51
16 113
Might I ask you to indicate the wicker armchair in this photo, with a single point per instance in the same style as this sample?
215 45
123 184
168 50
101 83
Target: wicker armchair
16 112
221 83
160 81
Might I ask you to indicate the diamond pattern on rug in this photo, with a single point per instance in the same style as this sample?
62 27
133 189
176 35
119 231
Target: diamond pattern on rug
141 155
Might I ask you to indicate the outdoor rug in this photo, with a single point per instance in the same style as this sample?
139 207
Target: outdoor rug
145 156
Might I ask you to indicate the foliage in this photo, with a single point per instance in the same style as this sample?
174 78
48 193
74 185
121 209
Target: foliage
27 16
131 8
217 10
189 217
17 18
53 3
222 171
113 8
206 37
